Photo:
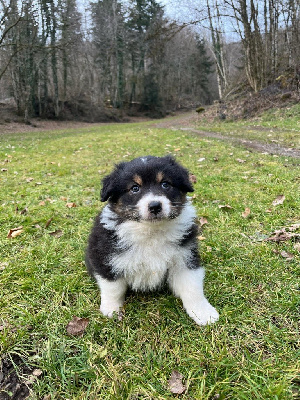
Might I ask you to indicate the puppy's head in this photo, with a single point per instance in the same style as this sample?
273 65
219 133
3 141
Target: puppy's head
147 188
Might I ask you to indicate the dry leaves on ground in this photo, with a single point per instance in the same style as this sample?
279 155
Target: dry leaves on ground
77 326
176 385
246 213
279 200
14 232
285 233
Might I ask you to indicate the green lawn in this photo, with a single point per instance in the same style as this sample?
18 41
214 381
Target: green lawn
279 126
251 353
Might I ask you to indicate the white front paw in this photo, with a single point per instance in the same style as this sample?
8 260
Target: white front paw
108 309
203 313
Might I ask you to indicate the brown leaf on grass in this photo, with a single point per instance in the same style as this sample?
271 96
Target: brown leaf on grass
285 254
193 178
15 232
240 160
201 237
225 207
175 384
3 265
63 198
297 247
71 205
42 203
77 326
279 200
57 233
29 180
203 221
48 222
4 169
246 213
282 235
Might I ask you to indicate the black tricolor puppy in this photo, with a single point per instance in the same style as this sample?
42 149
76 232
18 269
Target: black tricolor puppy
147 235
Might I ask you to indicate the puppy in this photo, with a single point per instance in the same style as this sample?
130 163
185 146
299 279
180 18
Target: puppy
146 235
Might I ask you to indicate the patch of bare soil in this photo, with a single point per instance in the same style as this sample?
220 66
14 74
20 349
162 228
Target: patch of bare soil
186 122
12 386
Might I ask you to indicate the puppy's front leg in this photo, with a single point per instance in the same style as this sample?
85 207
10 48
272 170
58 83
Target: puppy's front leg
188 285
112 295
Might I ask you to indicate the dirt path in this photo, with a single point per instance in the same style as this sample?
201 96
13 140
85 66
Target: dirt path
183 121
186 122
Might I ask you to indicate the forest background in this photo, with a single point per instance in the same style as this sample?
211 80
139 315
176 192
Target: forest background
102 60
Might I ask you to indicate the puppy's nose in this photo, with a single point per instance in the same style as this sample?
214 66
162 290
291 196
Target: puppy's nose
155 207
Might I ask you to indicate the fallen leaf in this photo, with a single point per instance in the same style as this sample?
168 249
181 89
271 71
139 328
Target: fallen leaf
177 149
175 383
288 256
24 211
294 227
57 233
225 207
297 247
48 222
3 265
282 235
71 205
4 170
216 159
240 160
38 183
29 180
279 200
203 221
42 203
201 159
201 237
77 326
37 372
193 178
63 198
15 232
246 213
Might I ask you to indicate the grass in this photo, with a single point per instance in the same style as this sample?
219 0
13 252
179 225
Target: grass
251 353
281 126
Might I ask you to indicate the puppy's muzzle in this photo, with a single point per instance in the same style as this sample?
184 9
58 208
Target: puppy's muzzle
155 207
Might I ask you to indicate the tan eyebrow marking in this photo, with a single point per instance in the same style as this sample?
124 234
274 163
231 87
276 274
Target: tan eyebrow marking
137 179
159 177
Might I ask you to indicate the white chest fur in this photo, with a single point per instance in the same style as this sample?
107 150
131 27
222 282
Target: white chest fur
149 249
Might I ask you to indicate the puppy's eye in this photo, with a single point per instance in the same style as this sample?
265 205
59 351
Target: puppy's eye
135 189
165 185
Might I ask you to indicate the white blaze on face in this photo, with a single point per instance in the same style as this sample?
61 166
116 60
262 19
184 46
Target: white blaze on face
143 206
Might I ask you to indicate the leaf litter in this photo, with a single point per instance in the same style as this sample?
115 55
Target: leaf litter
175 383
77 326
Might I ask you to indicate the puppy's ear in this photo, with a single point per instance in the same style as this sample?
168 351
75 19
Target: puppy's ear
182 178
109 183
186 185
107 186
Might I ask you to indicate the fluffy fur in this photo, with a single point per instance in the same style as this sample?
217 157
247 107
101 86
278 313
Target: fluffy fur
146 235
